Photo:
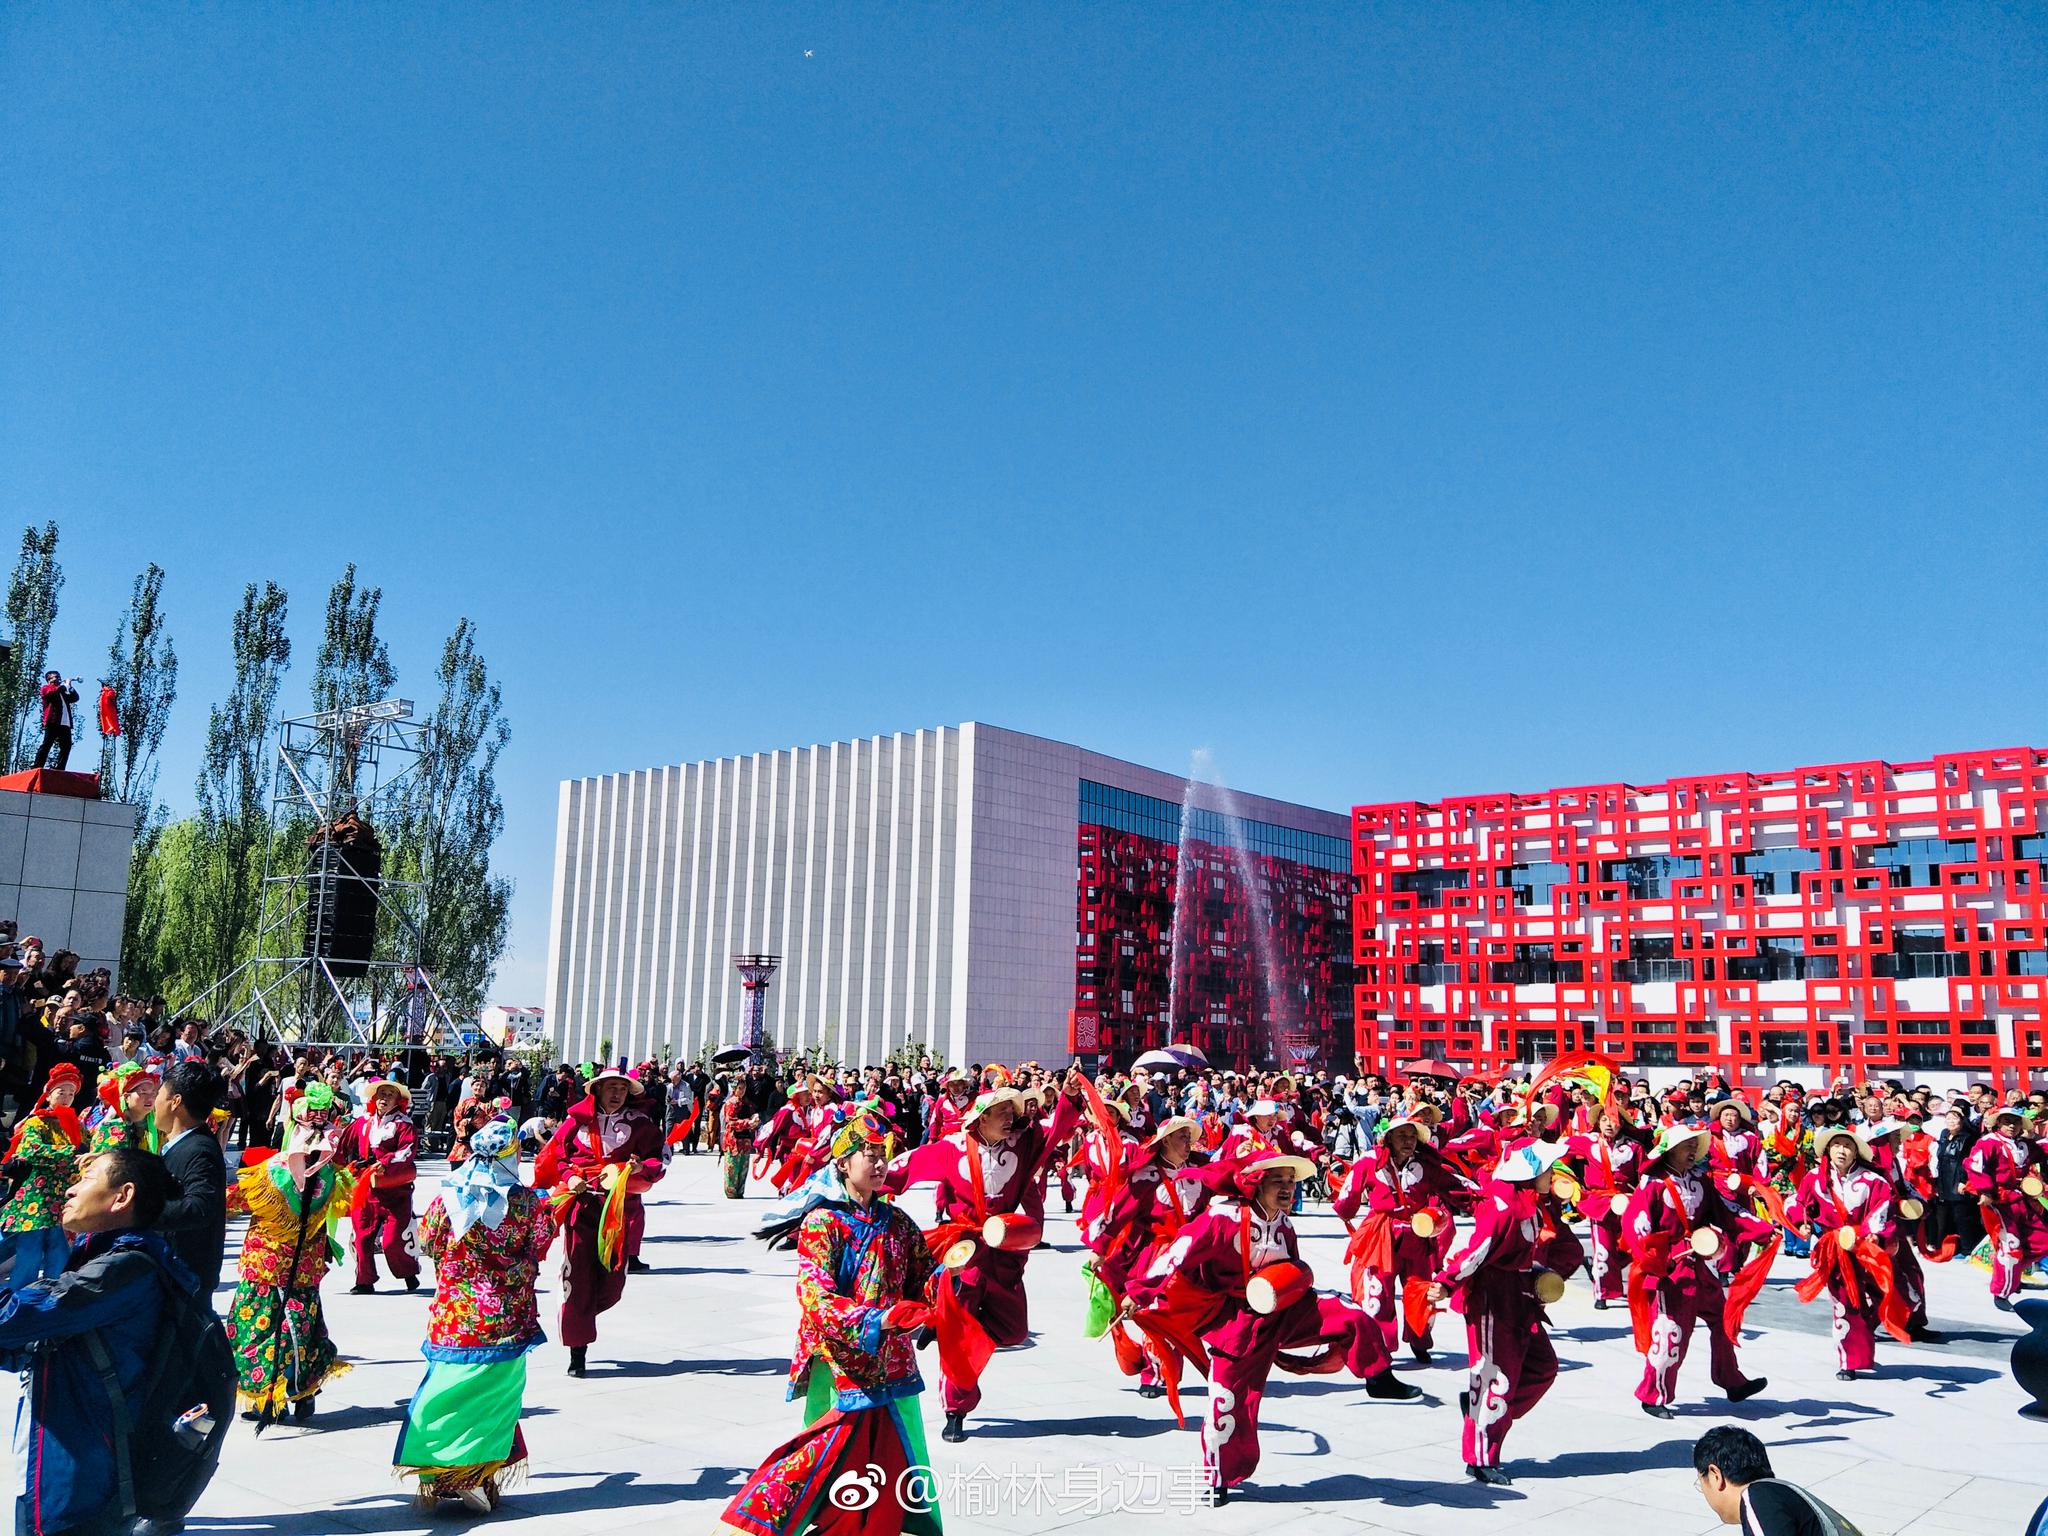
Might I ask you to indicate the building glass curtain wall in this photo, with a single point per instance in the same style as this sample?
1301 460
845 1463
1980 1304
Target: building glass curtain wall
1254 972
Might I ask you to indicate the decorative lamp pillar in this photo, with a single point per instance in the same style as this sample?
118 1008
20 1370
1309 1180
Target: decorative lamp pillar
754 973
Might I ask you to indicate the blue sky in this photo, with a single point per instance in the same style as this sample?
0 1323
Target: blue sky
1398 400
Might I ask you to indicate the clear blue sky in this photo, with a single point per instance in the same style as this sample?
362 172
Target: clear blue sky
1398 400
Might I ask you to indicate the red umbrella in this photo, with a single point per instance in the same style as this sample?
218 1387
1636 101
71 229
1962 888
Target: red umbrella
1425 1067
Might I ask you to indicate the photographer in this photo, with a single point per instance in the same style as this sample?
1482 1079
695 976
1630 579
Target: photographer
58 697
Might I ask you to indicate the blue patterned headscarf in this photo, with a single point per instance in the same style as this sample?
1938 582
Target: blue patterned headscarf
480 1190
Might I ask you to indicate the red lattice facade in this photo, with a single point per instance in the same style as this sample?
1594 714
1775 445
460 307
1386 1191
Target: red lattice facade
1124 943
1889 919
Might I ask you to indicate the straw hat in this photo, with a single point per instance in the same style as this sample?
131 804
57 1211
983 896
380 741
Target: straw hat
1825 1138
378 1085
1171 1124
989 1101
1414 1123
1261 1107
1248 1174
1528 1161
1672 1137
2007 1112
1737 1103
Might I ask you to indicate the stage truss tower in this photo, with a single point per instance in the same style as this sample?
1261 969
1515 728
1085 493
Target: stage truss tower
336 769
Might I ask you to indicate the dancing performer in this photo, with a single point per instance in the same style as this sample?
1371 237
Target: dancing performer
1404 1187
487 1234
738 1121
125 1118
1844 1209
43 1160
1788 1155
996 1166
863 1273
798 1133
1231 1295
1499 1281
1900 1153
1609 1164
276 1326
2004 1173
1155 1194
607 1153
1678 1224
1736 1147
377 1149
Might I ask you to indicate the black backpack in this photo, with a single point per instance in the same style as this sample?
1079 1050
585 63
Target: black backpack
165 1454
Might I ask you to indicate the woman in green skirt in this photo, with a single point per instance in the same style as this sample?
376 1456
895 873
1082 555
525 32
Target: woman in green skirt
487 1234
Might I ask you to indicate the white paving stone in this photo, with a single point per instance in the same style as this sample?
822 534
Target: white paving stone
686 1395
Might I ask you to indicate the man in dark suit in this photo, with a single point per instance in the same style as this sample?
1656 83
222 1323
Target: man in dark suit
195 1219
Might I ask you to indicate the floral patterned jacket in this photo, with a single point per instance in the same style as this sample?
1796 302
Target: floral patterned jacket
115 1131
52 1160
266 1193
483 1285
852 1267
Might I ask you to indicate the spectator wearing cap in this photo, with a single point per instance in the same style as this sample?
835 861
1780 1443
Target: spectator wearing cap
42 1159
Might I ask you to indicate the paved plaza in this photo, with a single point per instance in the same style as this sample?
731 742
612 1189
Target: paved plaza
685 1396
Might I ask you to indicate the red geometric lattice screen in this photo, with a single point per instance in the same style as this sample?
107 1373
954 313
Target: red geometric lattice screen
1886 918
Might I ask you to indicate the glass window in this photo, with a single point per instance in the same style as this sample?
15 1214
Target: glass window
1533 883
1649 877
1429 885
1651 960
1782 959
1784 1048
1776 871
1918 861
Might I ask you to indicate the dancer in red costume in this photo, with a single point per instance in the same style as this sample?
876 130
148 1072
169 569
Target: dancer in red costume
1391 1262
1159 1191
1677 1225
605 1155
1844 1208
1518 1237
1736 1147
1196 1302
1999 1170
377 1148
1610 1165
995 1166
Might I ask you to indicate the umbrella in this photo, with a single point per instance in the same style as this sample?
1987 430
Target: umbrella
1187 1055
731 1056
1425 1067
1159 1061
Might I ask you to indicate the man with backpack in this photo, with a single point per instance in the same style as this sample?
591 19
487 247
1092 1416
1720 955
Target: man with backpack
131 1387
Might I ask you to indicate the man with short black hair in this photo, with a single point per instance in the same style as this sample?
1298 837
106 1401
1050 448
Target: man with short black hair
112 1292
196 1217
1734 1474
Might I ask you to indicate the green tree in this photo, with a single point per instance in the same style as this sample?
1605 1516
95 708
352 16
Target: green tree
142 669
353 668
453 815
223 884
31 613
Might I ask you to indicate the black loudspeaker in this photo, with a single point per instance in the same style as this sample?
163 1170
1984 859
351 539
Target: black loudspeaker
344 862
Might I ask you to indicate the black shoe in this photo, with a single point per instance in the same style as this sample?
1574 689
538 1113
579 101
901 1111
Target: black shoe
956 1428
412 1282
1599 1303
1389 1388
1920 1333
1218 1496
2003 1303
1845 1375
1420 1352
1749 1389
302 1410
638 1266
362 1290
1658 1411
1493 1477
578 1354
925 1335
1070 1207
1151 1389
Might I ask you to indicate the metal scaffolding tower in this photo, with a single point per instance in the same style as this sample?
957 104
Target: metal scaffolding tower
337 952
